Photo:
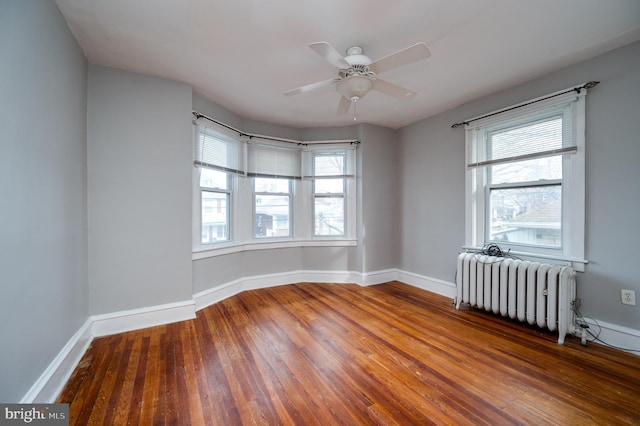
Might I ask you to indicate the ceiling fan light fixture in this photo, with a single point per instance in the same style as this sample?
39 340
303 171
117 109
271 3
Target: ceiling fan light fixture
354 86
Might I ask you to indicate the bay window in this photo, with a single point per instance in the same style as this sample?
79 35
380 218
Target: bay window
255 192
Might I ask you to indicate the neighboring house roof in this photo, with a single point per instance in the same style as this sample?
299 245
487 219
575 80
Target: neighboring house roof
547 215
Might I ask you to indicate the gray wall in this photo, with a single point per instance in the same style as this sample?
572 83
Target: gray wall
43 222
376 203
430 216
431 182
139 180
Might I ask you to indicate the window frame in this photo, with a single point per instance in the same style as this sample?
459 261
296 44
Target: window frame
329 195
290 195
229 192
478 187
349 194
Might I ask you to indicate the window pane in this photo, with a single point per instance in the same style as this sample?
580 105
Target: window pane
214 179
531 215
329 215
528 170
272 216
329 186
329 165
271 185
215 217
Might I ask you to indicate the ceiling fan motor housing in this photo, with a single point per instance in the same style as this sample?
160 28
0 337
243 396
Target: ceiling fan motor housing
359 64
355 56
357 69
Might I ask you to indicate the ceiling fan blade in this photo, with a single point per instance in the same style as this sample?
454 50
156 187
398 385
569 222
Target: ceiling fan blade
393 89
330 54
402 57
344 105
310 87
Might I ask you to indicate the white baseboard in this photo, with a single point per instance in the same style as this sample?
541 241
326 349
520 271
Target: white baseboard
49 385
271 280
135 319
221 292
216 294
434 285
376 277
621 337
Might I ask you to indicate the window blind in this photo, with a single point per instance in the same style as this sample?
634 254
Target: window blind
549 135
218 148
272 160
330 164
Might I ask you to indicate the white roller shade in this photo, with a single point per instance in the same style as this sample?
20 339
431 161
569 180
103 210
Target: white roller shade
273 160
218 148
546 136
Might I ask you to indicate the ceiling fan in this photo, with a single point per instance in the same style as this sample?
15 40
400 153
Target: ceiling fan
357 74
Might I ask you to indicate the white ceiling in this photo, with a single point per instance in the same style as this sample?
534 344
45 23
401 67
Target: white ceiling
243 54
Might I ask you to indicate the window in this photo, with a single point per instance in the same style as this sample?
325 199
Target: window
525 178
272 203
250 192
329 187
525 197
215 198
274 168
218 158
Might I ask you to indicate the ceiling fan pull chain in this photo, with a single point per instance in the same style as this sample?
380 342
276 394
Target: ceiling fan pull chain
355 112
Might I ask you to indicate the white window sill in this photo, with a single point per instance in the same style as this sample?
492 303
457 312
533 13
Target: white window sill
577 264
229 248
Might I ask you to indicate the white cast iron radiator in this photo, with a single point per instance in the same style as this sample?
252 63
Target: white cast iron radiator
529 291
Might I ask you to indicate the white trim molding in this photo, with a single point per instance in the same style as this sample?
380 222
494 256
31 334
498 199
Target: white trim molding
56 375
220 292
615 335
216 294
135 319
377 277
434 285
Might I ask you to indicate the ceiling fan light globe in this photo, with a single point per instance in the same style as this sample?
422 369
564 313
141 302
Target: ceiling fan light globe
354 86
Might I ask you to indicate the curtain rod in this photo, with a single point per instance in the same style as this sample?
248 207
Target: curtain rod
198 115
577 89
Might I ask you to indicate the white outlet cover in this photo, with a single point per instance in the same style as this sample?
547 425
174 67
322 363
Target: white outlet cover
628 297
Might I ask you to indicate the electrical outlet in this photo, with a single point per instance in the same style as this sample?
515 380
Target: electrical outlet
628 297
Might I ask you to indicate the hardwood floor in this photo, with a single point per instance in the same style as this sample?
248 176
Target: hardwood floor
328 354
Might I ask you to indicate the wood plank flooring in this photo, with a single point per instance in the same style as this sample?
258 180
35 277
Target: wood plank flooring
325 354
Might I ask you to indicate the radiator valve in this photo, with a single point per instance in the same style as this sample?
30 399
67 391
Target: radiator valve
583 334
